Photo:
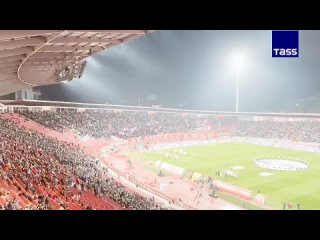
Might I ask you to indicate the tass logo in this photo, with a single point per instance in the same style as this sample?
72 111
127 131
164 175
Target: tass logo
285 43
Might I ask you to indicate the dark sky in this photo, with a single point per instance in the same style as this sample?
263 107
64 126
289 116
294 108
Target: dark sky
193 68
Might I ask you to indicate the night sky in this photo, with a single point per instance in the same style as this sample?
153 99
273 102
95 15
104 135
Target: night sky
192 68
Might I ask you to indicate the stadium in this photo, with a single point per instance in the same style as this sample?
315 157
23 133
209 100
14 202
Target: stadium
71 155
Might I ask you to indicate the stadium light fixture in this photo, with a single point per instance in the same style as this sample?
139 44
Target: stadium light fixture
238 63
238 66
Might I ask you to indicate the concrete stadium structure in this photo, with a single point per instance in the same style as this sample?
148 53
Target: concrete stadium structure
30 58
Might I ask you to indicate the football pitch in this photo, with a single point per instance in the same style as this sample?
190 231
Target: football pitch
278 186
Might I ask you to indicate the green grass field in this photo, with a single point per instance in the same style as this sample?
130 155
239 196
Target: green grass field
295 186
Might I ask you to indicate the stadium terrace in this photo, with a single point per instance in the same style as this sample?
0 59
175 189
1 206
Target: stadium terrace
58 157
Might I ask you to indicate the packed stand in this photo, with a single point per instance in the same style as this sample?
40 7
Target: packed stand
39 172
299 131
126 124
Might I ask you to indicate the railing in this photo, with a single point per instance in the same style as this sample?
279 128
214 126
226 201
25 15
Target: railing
151 190
73 105
147 188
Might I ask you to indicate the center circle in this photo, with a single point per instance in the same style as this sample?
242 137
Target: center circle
281 164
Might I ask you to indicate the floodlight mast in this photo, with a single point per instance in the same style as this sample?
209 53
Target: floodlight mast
237 92
238 66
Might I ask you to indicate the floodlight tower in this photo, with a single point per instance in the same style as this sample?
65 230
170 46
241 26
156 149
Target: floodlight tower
237 65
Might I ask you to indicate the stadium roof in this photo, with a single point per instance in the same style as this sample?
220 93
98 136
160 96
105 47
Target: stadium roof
30 58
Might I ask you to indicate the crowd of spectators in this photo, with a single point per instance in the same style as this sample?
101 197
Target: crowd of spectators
298 131
126 124
40 172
